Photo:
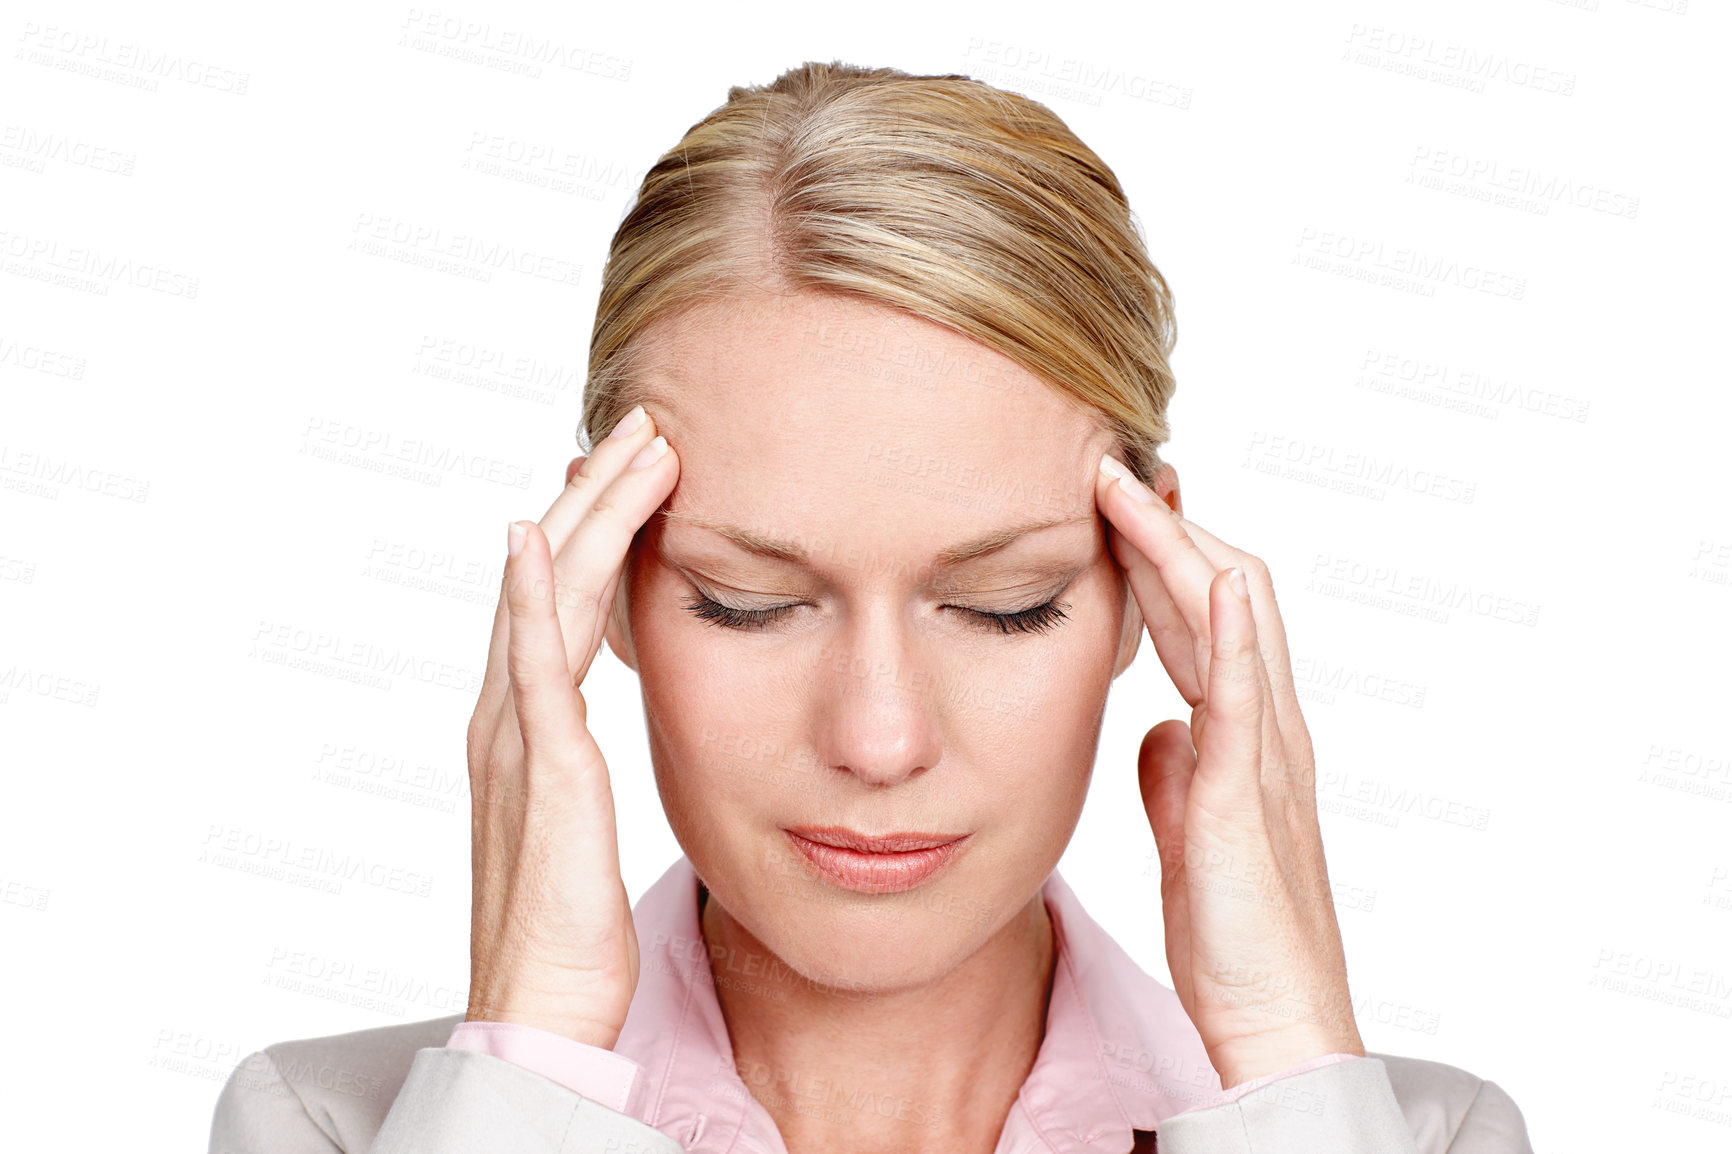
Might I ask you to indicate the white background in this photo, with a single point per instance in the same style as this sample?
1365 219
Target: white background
1527 821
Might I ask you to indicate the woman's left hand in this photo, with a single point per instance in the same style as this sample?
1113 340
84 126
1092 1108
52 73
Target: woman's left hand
1251 936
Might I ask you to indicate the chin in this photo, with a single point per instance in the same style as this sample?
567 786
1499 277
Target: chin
871 945
876 943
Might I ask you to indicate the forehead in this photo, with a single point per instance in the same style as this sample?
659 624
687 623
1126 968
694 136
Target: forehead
819 416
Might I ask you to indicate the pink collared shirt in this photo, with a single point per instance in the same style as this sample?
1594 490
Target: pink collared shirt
1119 1052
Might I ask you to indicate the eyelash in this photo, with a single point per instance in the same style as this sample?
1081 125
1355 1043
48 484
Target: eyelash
1037 619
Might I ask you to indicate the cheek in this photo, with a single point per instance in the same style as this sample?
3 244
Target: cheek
1050 685
720 728
1037 738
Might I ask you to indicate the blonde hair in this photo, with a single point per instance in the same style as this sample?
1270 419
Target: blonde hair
942 196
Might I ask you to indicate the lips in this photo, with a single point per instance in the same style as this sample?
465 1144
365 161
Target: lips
877 864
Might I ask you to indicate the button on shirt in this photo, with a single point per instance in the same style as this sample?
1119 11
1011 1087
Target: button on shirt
1119 1053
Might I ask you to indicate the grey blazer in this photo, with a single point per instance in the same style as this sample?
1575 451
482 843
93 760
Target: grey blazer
398 1090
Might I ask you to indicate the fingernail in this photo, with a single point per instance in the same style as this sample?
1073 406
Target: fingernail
514 536
1236 579
1134 489
629 423
650 454
1137 491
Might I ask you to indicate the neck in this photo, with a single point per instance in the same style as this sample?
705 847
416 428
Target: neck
931 1068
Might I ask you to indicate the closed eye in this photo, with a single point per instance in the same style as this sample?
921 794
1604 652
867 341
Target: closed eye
730 618
1036 619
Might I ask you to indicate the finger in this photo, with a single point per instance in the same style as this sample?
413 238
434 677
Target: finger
1230 748
1271 629
605 462
563 771
1288 762
587 568
1165 763
495 683
1168 574
1175 644
1156 532
584 488
535 650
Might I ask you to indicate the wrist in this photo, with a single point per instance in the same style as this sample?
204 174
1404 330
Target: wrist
1247 1059
576 1027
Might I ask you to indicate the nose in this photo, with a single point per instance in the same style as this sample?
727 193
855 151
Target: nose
877 704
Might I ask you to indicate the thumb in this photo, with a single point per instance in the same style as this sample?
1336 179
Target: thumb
1165 763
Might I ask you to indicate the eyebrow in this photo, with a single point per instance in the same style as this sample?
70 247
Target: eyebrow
764 546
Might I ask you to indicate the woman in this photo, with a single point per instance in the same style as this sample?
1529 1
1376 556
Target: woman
880 517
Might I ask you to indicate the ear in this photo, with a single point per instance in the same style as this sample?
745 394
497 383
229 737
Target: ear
1166 487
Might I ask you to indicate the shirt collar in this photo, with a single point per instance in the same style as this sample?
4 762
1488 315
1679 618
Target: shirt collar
1119 1052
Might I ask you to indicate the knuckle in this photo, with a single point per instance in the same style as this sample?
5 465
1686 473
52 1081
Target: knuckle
583 478
605 497
478 736
606 508
487 767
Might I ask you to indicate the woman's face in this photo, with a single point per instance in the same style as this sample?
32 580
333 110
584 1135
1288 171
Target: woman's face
809 623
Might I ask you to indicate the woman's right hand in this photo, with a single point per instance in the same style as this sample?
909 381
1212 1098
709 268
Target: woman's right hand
551 940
